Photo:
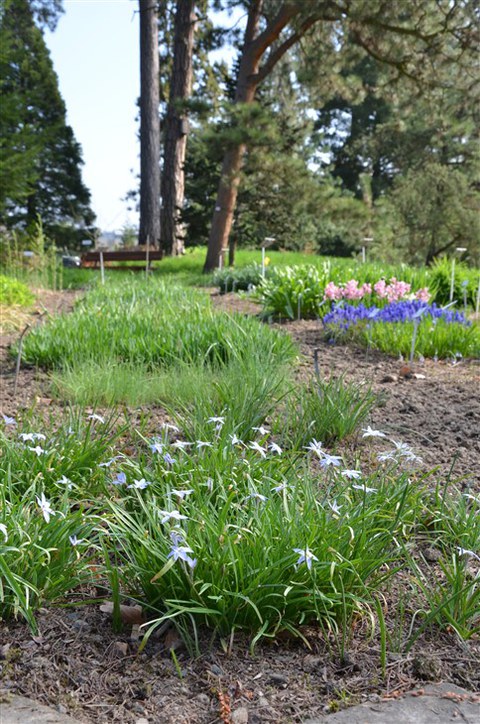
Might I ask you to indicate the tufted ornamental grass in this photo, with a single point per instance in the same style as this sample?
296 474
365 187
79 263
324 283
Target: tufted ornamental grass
151 324
432 338
14 293
222 534
41 560
328 410
239 522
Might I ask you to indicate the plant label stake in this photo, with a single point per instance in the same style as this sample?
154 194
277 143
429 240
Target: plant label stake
452 280
416 322
220 258
102 268
366 239
268 241
19 356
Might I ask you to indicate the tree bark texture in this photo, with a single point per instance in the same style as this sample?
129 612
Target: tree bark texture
175 130
149 231
233 159
250 76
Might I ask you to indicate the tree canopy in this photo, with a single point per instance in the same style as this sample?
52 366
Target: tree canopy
40 157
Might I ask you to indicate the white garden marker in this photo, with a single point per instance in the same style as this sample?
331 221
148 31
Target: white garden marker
268 241
452 280
102 268
460 249
366 239
221 258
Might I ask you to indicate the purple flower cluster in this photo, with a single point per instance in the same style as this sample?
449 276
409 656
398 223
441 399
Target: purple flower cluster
346 315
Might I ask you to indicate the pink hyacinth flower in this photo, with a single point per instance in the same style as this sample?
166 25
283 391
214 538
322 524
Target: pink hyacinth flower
423 295
380 288
332 292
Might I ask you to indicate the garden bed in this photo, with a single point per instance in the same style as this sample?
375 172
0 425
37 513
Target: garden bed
438 412
78 664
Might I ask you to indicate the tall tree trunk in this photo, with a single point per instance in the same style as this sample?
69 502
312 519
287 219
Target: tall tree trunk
149 125
175 130
250 75
233 159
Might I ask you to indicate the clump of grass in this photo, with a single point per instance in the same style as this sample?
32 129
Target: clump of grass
440 339
327 410
14 293
70 452
258 546
101 384
152 324
31 257
45 550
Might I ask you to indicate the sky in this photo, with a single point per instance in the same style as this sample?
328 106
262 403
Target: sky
95 53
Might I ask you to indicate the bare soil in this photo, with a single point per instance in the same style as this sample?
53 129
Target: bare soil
433 406
79 665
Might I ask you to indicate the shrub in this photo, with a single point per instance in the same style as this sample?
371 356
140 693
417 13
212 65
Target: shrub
465 283
14 292
295 292
242 279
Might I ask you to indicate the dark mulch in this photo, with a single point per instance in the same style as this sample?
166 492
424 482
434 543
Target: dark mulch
79 665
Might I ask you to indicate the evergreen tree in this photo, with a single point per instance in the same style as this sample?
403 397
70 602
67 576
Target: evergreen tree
176 131
40 158
149 231
417 41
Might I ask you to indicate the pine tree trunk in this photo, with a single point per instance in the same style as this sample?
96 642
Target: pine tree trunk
175 144
149 231
233 159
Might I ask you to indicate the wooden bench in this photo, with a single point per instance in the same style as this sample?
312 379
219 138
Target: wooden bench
91 259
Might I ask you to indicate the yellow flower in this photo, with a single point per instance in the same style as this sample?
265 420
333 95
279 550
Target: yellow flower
267 260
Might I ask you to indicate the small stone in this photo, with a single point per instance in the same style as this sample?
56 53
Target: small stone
311 664
262 702
61 709
427 668
120 648
239 716
80 625
216 670
432 555
389 378
203 701
418 376
138 708
279 680
142 720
